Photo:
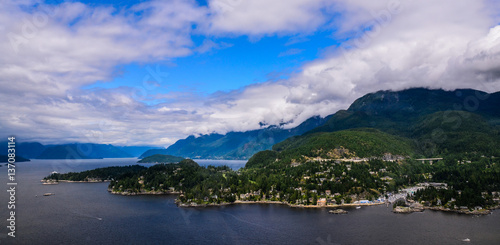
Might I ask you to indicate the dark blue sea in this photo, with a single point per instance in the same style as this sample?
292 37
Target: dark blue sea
85 213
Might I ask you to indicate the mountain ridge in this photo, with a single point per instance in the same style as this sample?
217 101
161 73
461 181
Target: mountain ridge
36 150
235 145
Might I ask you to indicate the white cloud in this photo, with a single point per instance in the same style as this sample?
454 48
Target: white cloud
70 45
425 43
261 17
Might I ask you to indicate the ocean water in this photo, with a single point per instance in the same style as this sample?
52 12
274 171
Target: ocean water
85 213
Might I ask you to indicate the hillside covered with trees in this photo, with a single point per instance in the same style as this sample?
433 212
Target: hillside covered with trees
380 145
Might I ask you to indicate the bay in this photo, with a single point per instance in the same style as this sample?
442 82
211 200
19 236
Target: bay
85 213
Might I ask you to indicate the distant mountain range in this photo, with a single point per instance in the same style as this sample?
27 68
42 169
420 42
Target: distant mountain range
434 121
419 114
234 145
35 150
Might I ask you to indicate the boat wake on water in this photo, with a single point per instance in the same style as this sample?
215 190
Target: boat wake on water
87 216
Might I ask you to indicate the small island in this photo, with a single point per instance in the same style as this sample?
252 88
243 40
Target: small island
96 175
5 158
160 158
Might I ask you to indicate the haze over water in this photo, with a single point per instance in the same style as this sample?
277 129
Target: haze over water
83 213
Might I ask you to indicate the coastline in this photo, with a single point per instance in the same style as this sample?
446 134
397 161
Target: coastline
187 205
52 182
397 210
463 211
126 193
407 210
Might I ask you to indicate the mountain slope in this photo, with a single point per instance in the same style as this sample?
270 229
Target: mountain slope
361 142
348 144
135 151
455 132
235 145
414 122
82 151
396 111
27 150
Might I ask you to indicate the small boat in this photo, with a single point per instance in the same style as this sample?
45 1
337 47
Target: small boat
48 194
466 240
358 207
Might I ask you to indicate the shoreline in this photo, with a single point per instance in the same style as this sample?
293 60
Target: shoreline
346 205
126 193
188 205
53 182
461 211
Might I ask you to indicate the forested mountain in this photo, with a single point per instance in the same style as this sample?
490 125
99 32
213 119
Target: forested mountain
437 121
36 150
82 151
397 112
235 145
25 149
136 151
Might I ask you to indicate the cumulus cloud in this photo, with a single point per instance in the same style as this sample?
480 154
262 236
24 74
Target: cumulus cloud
420 43
50 52
53 49
261 17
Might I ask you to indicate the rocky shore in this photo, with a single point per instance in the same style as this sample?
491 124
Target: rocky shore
337 211
461 211
406 210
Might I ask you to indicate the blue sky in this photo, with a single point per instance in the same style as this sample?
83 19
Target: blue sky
152 72
237 63
240 61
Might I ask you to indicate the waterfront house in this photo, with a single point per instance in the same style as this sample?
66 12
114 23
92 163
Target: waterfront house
321 202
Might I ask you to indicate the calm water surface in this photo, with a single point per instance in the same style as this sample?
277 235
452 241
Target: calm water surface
85 213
